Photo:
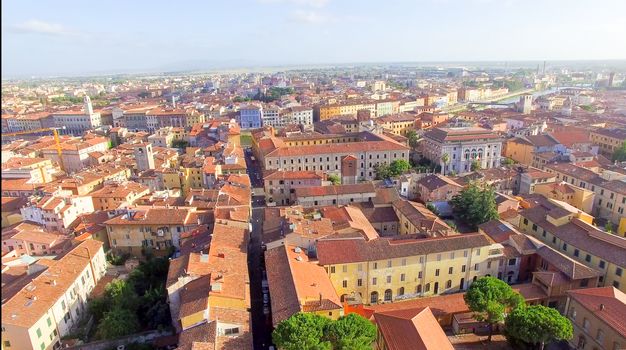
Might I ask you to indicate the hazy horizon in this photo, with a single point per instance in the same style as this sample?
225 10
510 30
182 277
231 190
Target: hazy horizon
45 38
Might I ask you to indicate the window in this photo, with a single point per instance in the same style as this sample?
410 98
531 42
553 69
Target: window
427 289
618 271
388 295
449 284
375 266
525 221
344 268
463 268
38 332
345 283
588 258
565 246
476 267
49 322
572 313
489 264
374 298
389 263
7 344
419 274
478 252
389 279
601 264
450 269
374 281
576 252
584 282
402 276
359 282
600 336
465 253
437 272
512 262
535 227
585 324
231 331
332 269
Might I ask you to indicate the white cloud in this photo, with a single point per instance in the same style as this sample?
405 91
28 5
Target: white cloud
311 3
312 17
46 28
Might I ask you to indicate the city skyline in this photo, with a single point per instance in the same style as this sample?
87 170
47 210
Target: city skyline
112 38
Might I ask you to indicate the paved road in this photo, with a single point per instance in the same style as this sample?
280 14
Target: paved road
261 326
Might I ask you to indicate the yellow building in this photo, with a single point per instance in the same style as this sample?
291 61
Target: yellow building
386 270
597 315
10 210
608 140
569 231
111 196
575 196
398 124
154 229
299 285
520 150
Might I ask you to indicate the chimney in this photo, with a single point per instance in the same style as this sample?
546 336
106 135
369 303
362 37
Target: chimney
601 307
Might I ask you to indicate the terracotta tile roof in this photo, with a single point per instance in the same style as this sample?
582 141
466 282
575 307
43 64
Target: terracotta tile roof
352 217
194 296
294 175
606 303
335 190
153 216
581 235
330 148
411 329
342 251
459 134
297 284
435 181
571 137
420 216
498 230
542 140
32 302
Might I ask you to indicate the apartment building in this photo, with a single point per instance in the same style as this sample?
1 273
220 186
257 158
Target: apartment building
155 229
398 124
415 218
575 196
299 115
595 314
75 156
37 170
58 211
299 285
49 306
608 186
569 231
26 238
335 194
463 145
351 161
436 188
280 186
250 117
114 195
608 140
385 269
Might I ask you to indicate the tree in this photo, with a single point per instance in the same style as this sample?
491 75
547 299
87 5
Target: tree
445 158
538 324
608 227
411 135
399 167
382 171
182 144
476 205
351 332
620 153
508 161
302 331
490 299
117 323
334 179
475 165
122 295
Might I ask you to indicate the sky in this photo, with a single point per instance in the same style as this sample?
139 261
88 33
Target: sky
62 37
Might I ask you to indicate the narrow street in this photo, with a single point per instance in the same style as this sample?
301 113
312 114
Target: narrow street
261 330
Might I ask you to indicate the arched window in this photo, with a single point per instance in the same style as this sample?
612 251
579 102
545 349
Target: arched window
427 289
388 295
474 154
462 283
418 289
449 284
374 298
401 291
480 153
343 297
467 154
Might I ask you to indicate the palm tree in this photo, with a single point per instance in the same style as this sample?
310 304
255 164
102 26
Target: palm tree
445 159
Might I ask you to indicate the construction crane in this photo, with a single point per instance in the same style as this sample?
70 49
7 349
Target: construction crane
55 133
